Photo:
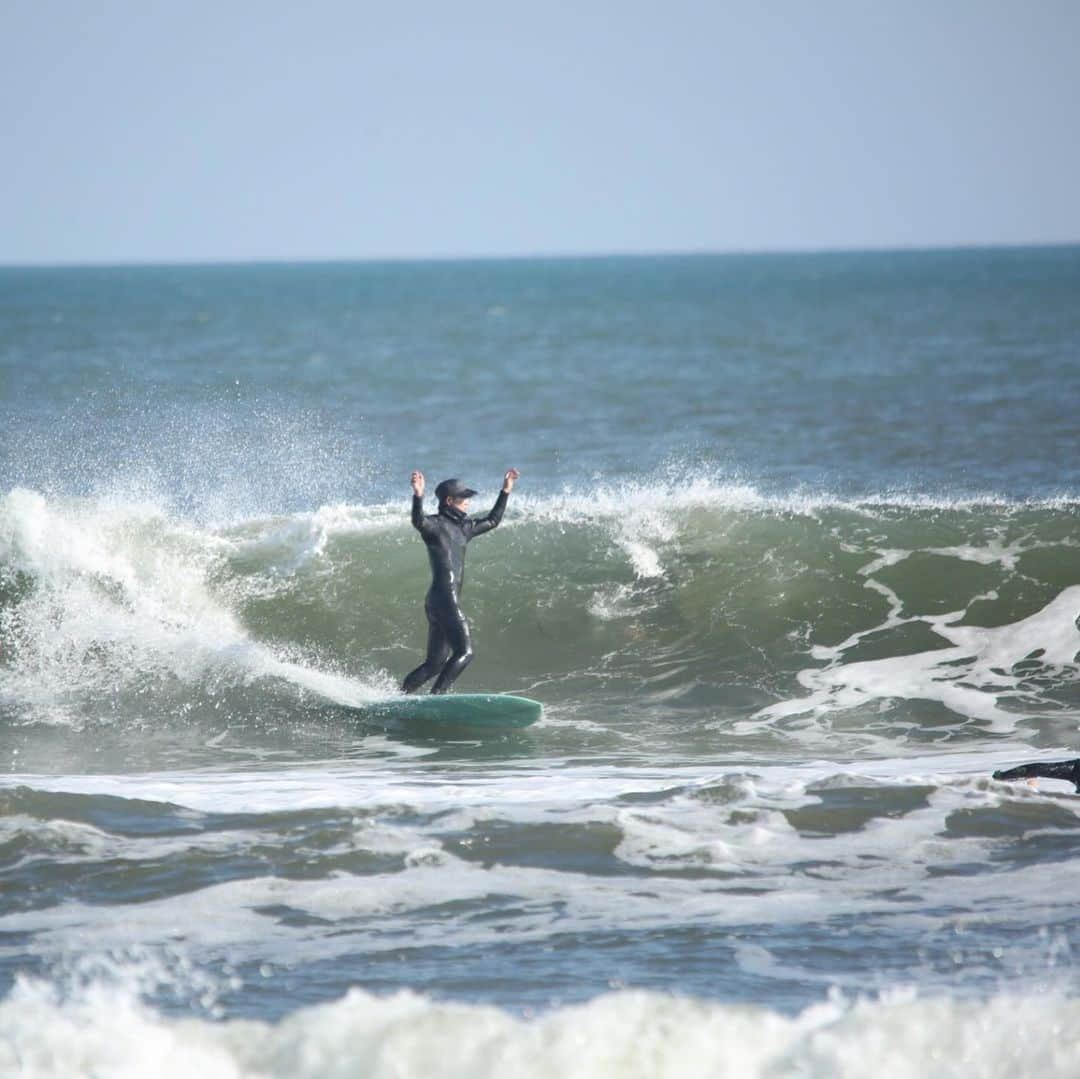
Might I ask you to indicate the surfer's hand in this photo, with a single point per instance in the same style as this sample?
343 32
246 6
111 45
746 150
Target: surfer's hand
508 480
418 484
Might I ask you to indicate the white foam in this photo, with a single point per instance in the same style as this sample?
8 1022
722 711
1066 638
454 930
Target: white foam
106 1031
76 842
677 489
367 786
120 592
436 896
992 553
297 540
972 678
890 867
432 788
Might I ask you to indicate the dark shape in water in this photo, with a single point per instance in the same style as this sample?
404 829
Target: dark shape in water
1069 770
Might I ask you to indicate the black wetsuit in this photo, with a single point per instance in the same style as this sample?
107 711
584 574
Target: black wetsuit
1067 770
449 647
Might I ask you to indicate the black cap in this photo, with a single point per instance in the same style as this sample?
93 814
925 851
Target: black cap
453 489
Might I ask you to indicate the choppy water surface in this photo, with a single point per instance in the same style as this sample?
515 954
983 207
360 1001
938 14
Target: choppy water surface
794 565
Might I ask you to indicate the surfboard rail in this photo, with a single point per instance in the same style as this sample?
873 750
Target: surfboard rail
496 711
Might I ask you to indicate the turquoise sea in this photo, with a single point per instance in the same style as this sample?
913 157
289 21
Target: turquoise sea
793 565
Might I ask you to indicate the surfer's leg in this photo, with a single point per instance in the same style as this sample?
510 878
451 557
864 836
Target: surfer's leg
1067 770
438 648
457 633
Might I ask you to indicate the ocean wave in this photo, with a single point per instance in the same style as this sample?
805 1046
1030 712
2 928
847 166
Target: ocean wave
106 1030
750 608
215 859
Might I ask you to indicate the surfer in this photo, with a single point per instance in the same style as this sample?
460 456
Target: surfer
449 645
1067 770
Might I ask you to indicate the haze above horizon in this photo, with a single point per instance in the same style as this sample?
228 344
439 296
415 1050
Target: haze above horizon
253 132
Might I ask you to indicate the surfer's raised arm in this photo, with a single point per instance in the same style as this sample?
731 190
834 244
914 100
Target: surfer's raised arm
479 525
417 481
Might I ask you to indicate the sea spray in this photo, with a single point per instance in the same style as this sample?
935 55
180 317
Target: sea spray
624 1034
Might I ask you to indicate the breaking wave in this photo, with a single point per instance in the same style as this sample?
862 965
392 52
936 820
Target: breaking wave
106 1030
763 612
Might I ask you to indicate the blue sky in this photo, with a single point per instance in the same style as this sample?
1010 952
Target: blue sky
153 131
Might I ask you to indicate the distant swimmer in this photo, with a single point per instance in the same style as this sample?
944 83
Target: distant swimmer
1067 770
446 533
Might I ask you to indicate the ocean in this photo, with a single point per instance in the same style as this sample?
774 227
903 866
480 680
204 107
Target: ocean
793 565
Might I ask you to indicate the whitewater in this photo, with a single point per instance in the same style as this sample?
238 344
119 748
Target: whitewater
793 565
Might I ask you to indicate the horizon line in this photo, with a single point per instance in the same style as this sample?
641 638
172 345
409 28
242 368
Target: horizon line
555 256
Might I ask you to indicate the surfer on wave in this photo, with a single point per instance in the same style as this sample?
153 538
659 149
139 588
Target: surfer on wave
446 533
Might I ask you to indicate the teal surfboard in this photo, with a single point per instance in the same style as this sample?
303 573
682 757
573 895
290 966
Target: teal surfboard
496 711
